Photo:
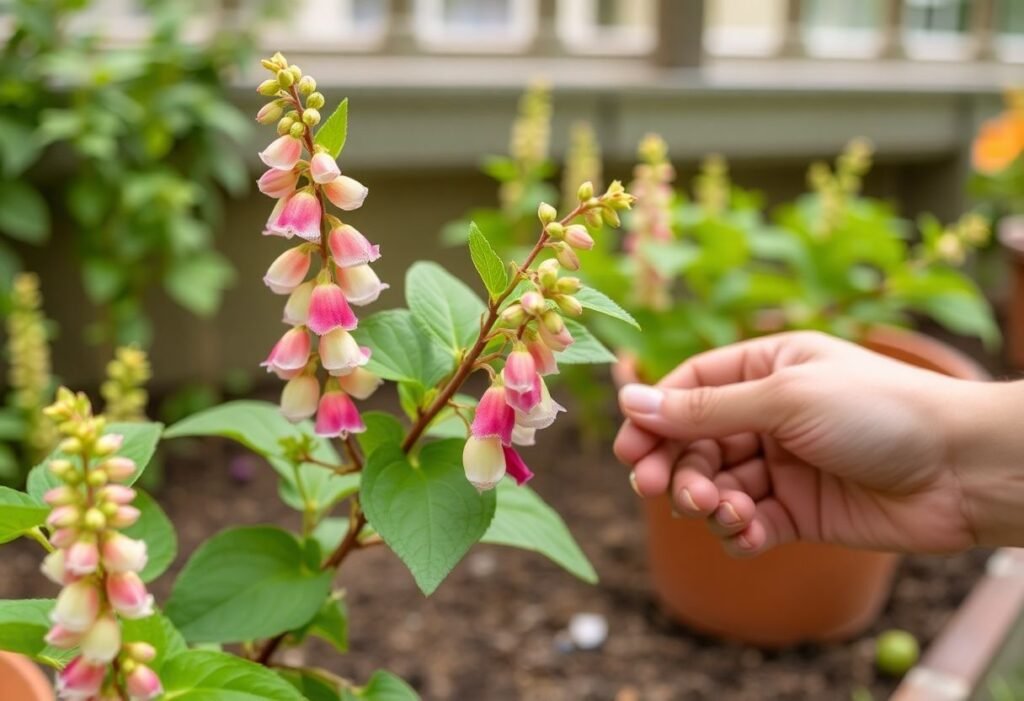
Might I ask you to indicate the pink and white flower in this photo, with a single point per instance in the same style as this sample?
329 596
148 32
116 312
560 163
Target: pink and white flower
300 397
323 168
525 401
543 414
119 468
521 435
329 310
345 193
80 680
483 460
494 417
123 554
124 516
102 641
337 415
83 557
77 607
543 357
289 270
350 248
578 237
282 153
553 332
61 637
340 354
278 183
360 383
128 596
296 215
520 369
142 684
515 467
54 570
296 309
360 284
290 354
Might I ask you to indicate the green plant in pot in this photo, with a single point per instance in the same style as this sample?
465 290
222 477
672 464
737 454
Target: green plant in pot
702 273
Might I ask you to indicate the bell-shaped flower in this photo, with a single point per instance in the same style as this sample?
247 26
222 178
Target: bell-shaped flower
290 354
123 554
102 641
329 309
300 397
520 370
515 467
282 153
543 357
337 415
128 596
83 557
345 192
80 680
494 417
278 183
543 414
553 331
296 309
521 435
340 354
296 215
350 248
118 468
360 284
54 569
323 168
142 683
483 460
61 637
524 402
360 383
289 270
77 607
124 516
63 537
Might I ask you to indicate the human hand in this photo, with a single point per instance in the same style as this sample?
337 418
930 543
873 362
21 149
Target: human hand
803 436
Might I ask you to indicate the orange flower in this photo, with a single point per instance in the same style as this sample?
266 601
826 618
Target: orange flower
999 142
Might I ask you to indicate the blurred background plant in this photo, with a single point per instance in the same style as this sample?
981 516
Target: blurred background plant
151 141
998 177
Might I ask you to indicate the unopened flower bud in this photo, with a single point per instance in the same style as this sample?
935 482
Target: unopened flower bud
593 218
123 517
360 383
269 64
311 117
296 72
143 684
569 285
64 517
566 256
553 332
279 60
484 462
71 446
300 397
315 100
297 130
53 567
569 305
109 444
81 679
950 249
513 315
585 192
94 520
61 496
77 607
270 112
269 88
61 637
118 468
578 237
123 554
63 537
128 596
140 651
611 217
532 303
307 85
102 641
285 78
83 557
546 213
61 467
547 273
97 477
285 126
555 230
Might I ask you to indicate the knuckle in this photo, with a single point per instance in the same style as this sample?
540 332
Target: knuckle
701 404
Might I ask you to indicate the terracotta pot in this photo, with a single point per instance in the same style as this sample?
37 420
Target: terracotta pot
1011 236
21 680
794 593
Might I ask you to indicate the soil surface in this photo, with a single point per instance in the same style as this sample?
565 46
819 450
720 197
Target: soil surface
495 630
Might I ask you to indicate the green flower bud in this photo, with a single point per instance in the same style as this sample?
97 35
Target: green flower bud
269 88
296 73
585 192
311 117
285 125
611 218
547 273
569 305
94 520
285 79
315 100
297 130
513 315
593 218
555 230
546 213
307 85
569 285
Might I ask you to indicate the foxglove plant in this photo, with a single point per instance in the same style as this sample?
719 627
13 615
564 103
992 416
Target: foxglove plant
429 486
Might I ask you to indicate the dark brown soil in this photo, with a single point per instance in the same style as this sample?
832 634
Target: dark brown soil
493 631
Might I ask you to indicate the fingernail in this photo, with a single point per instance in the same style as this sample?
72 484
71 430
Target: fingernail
641 399
687 499
727 515
632 483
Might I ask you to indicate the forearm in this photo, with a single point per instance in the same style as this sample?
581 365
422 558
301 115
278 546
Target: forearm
987 455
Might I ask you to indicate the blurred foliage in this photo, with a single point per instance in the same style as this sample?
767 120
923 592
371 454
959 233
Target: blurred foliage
142 138
996 156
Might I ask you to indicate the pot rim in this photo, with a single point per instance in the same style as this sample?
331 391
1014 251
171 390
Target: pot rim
26 670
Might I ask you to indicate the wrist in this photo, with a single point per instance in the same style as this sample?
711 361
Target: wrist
986 440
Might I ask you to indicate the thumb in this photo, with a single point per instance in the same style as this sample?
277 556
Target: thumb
703 412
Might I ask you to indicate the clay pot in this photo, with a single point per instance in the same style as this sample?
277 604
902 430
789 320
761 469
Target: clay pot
1011 236
794 593
21 680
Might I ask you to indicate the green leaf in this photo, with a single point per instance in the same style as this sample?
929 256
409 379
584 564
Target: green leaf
19 513
334 131
522 520
260 427
310 685
330 623
586 349
205 675
381 428
599 302
23 625
488 264
140 441
157 531
429 514
23 212
444 304
159 632
242 571
383 686
198 281
402 350
18 147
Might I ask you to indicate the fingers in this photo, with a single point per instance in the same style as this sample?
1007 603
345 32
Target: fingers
771 526
633 442
703 412
739 362
652 473
693 492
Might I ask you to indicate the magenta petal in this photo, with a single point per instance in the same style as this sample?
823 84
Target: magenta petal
515 467
525 401
329 310
494 417
291 353
338 416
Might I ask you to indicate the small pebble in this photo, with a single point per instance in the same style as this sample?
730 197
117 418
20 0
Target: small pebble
588 631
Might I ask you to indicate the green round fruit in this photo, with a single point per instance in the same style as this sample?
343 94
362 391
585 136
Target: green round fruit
896 651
